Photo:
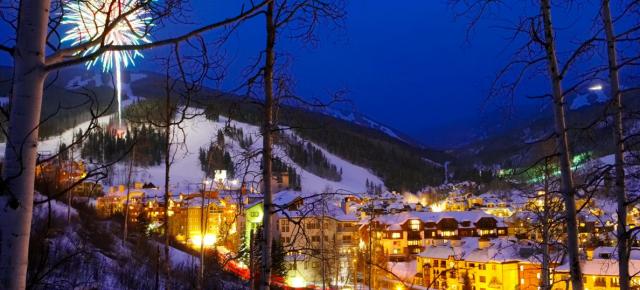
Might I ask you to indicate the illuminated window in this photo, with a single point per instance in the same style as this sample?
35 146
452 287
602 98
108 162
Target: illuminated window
395 235
600 282
414 225
448 233
284 226
486 232
396 251
313 225
413 243
346 239
615 282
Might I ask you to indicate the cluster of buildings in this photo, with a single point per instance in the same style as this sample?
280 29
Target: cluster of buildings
387 241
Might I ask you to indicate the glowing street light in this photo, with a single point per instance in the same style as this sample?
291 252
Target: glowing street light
595 88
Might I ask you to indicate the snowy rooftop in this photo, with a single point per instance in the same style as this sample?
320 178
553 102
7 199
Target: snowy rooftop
498 250
605 267
460 216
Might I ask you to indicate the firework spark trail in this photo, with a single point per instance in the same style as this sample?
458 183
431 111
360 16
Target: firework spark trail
88 20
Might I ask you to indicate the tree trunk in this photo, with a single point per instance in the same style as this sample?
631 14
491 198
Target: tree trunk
126 208
566 187
546 228
167 168
16 201
203 233
618 135
265 277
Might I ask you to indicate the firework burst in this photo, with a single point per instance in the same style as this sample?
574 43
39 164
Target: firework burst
88 20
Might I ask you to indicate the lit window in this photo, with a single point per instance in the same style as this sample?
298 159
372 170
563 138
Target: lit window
448 233
414 225
284 226
395 235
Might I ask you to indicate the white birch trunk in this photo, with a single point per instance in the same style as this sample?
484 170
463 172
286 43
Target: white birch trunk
16 202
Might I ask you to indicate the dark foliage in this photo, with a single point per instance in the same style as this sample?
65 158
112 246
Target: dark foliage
216 158
106 146
309 157
401 165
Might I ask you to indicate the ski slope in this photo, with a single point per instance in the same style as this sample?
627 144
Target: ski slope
197 133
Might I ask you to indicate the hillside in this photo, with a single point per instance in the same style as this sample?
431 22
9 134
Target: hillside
520 144
349 141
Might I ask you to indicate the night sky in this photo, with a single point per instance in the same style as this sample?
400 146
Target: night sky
408 64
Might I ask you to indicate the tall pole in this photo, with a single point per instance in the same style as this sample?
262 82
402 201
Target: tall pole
118 89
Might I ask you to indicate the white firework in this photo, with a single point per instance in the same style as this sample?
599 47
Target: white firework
128 24
89 19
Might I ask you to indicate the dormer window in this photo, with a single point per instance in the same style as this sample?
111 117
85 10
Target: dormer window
605 255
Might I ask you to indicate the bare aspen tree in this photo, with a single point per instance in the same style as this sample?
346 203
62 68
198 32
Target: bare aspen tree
618 138
567 187
32 63
22 142
267 131
277 15
540 52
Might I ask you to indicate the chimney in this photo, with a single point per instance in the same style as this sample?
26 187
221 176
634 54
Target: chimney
483 243
589 251
345 206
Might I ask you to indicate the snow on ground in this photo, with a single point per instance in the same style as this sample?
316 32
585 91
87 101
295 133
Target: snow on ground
57 207
199 132
51 145
403 270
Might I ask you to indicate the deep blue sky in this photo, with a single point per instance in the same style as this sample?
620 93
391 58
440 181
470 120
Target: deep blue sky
407 64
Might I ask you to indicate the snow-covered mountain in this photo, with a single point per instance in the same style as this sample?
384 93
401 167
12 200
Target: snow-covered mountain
363 150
